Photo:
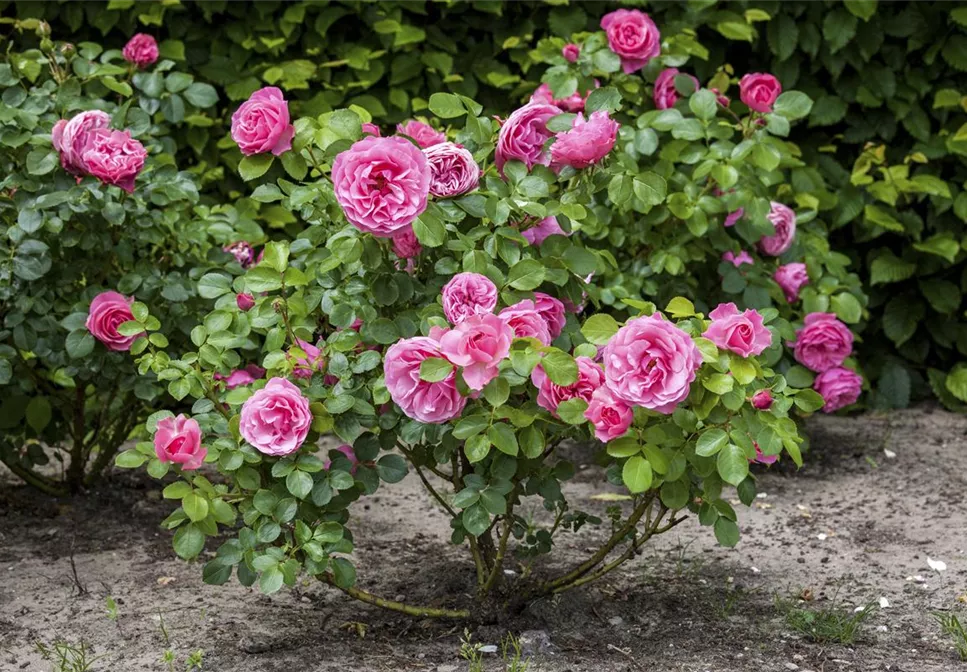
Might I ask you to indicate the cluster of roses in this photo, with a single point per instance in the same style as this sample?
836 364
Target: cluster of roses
89 146
822 345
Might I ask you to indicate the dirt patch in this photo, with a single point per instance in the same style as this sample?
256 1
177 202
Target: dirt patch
878 496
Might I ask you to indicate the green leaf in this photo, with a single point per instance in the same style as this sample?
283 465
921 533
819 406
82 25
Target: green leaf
476 520
195 506
887 268
560 367
130 459
941 245
732 464
299 484
719 383
893 387
477 448
703 104
531 442
809 401
176 490
252 167
599 329
726 532
429 230
637 474
391 468
847 307
435 369
901 317
650 188
493 502
863 9
839 27
605 98
502 436
680 307
956 382
38 413
572 411
446 105
201 95
793 105
711 442
879 217
189 541
276 255
79 344
526 274
942 295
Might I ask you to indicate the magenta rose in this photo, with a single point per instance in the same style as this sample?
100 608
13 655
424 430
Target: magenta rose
548 226
70 138
651 363
468 294
276 419
240 377
823 342
242 251
742 333
526 322
349 454
733 217
108 311
418 399
570 52
665 94
573 103
141 50
762 400
610 416
178 440
245 302
382 184
371 129
633 36
839 387
552 310
424 134
523 135
113 157
478 344
791 278
586 143
550 394
262 125
762 458
783 218
737 260
759 91
453 170
405 243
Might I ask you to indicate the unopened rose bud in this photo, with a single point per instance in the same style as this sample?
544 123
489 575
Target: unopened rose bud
570 52
762 400
245 302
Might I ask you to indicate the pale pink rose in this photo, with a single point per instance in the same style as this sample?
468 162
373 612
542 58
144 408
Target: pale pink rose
733 217
304 367
242 251
823 342
349 454
665 94
791 278
550 394
573 103
610 416
108 311
178 440
468 294
761 457
424 134
651 363
261 123
113 157
405 243
240 377
762 400
523 135
737 260
759 91
382 184
427 402
453 170
742 333
70 138
371 129
141 49
783 218
586 143
552 310
478 344
548 226
839 387
526 321
245 302
633 36
276 419
570 52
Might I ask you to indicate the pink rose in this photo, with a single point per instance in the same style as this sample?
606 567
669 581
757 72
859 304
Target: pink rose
791 278
573 103
733 217
823 342
586 143
611 417
761 457
113 157
550 394
526 322
142 50
762 400
276 419
720 98
742 333
262 125
478 344
839 387
405 243
633 36
737 260
241 377
453 170
650 362
570 52
242 251
70 138
759 91
108 311
552 310
349 454
468 294
245 302
547 227
371 129
304 367
666 95
784 220
427 402
424 134
523 135
382 184
178 440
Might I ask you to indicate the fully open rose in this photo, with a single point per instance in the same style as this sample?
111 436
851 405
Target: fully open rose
433 402
276 419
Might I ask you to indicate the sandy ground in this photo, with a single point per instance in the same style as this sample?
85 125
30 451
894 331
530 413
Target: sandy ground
879 495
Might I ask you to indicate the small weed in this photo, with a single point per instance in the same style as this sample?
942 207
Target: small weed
953 628
511 653
829 624
68 657
194 661
111 606
470 652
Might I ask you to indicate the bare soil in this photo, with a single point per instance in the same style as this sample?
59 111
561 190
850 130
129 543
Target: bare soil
878 496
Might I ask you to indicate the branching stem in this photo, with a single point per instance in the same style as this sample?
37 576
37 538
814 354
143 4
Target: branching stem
393 605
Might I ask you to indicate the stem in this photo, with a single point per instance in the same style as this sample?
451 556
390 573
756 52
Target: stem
32 478
393 605
502 546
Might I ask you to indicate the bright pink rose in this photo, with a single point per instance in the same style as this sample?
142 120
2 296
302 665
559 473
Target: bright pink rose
526 321
371 129
650 362
570 52
548 226
737 260
452 169
733 217
523 135
611 417
427 402
424 134
276 419
142 50
586 143
178 440
405 243
823 342
762 400
666 95
240 377
468 294
349 454
71 138
245 302
113 157
783 218
839 387
633 36
242 251
573 103
550 394
761 457
478 344
262 125
759 91
382 184
552 310
791 278
304 367
742 333
108 311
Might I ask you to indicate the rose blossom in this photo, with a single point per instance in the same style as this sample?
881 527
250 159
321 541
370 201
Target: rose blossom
548 226
720 97
650 362
304 367
552 310
71 137
839 387
611 417
261 124
108 311
479 344
791 278
245 302
349 454
783 218
586 143
737 260
418 399
573 103
526 322
665 94
113 157
405 243
178 440
371 129
823 342
633 36
424 134
761 457
242 251
762 400
733 217
570 52
240 377
468 294
381 184
141 50
453 170
759 91
523 135
276 419
742 333
550 394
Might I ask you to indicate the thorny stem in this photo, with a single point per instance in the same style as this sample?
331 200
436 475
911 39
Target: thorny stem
502 545
393 605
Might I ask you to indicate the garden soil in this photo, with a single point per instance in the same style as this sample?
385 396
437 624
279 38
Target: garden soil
879 495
